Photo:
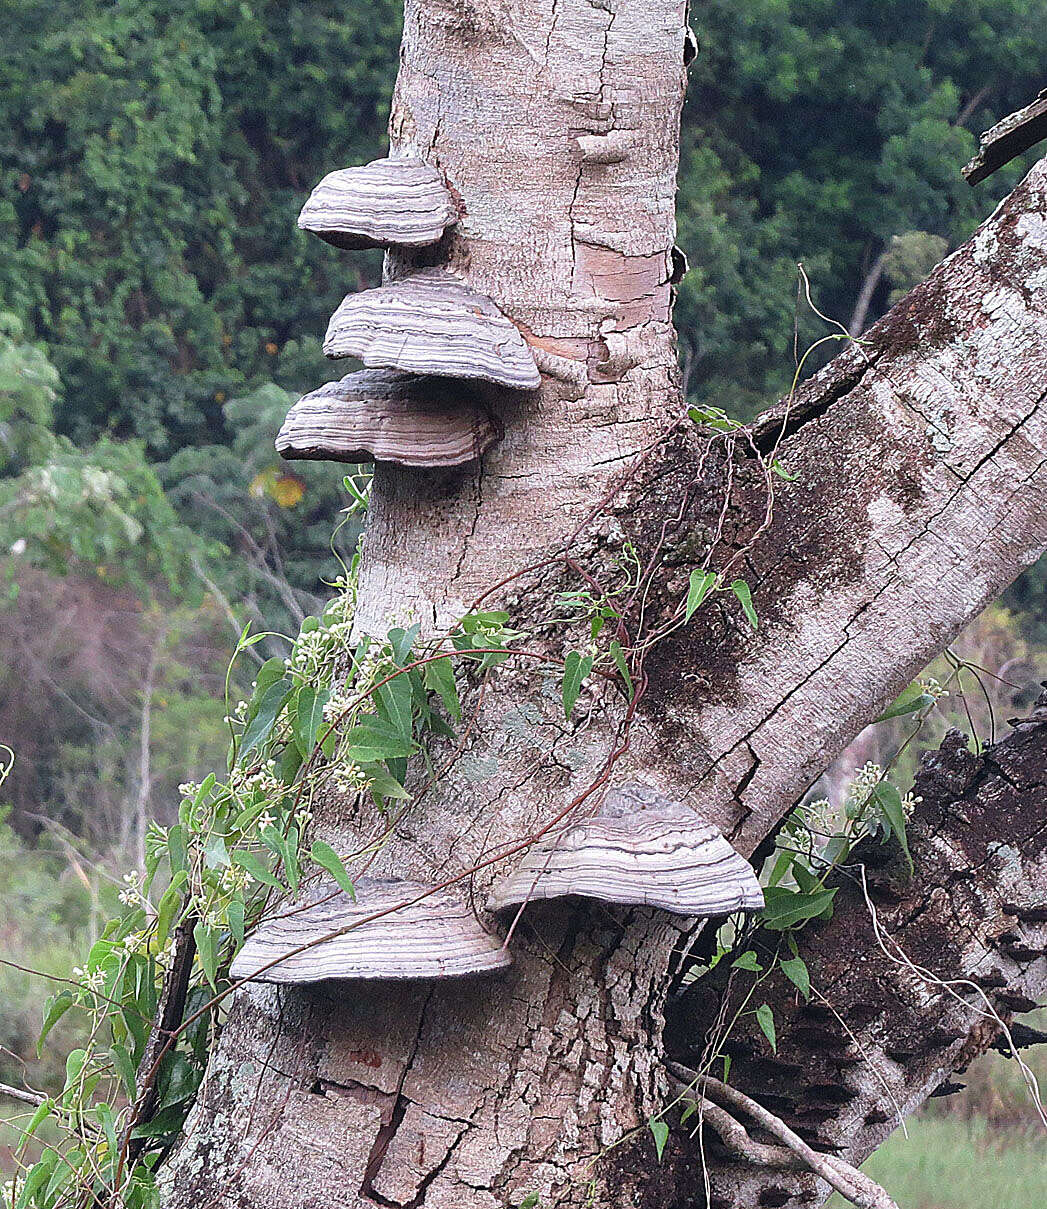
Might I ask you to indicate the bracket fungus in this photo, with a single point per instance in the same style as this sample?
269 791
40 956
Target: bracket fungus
641 849
382 416
385 204
382 934
431 322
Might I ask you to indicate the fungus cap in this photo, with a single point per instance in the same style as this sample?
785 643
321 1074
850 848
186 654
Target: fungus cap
383 416
641 849
385 204
431 322
383 934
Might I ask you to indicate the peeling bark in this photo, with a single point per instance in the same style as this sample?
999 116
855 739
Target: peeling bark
921 493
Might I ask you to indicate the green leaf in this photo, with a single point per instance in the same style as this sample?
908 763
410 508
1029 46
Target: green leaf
713 417
255 867
618 655
795 969
74 1065
268 674
125 1068
782 473
805 879
741 589
402 641
216 855
179 1079
55 1009
170 901
235 915
747 961
205 948
176 848
765 1019
104 1116
65 1170
326 857
393 704
698 589
205 788
889 801
384 785
784 908
910 701
576 668
43 1111
284 847
308 718
438 678
660 1133
372 740
167 1121
38 1176
781 865
269 707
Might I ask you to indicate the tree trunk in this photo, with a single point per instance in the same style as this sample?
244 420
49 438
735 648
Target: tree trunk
920 494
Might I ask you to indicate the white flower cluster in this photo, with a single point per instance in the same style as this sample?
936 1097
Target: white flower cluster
262 780
92 982
909 803
314 649
234 878
862 788
821 816
336 705
131 895
349 778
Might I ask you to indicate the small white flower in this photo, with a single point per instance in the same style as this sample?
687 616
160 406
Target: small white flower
18 547
265 819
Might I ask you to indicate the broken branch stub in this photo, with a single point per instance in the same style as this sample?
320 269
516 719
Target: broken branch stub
432 323
641 849
385 204
383 416
1008 139
394 929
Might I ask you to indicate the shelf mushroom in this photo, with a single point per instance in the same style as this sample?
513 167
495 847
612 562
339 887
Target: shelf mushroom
385 204
431 322
382 416
641 849
332 937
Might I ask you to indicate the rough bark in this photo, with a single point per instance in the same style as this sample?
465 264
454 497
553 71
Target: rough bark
920 494
945 955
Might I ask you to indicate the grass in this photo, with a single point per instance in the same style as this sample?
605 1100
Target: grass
949 1163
